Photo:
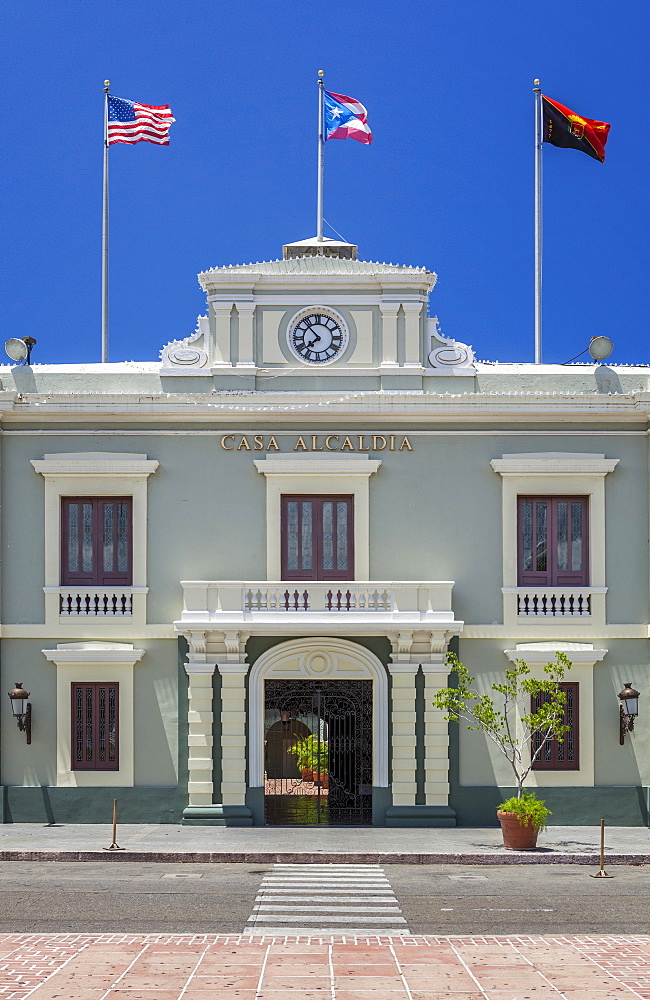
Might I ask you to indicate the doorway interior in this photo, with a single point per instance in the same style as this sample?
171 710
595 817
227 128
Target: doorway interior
318 752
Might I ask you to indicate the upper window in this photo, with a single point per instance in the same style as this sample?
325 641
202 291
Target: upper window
96 549
560 755
317 537
553 549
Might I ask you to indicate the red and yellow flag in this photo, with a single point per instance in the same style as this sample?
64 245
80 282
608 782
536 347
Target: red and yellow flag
562 127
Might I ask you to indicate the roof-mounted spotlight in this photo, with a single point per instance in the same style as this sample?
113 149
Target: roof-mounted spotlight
20 351
600 348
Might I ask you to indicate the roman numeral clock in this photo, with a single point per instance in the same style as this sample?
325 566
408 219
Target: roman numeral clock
317 336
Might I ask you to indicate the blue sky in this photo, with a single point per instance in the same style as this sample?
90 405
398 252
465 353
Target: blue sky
447 182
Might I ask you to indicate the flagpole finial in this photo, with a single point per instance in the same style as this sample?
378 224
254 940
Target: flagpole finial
107 84
536 84
321 72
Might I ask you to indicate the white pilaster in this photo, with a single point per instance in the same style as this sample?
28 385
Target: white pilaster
199 738
412 340
436 736
221 347
403 716
389 311
233 733
246 353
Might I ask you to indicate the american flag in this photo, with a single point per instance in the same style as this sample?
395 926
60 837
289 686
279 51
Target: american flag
131 122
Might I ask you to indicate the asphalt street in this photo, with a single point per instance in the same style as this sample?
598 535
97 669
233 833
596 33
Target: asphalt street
219 898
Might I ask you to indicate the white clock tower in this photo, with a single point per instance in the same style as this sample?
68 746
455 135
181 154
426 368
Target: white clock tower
318 318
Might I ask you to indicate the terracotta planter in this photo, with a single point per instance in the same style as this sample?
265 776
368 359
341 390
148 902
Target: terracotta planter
307 775
516 836
321 779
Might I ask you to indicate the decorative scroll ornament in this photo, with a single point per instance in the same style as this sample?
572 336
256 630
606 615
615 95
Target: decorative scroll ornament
178 356
449 357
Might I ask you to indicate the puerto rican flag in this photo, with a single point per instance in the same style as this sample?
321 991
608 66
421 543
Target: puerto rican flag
345 118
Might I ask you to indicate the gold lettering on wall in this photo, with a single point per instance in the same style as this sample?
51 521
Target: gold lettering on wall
316 442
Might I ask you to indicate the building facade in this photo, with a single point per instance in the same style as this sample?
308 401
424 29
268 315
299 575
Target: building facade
230 578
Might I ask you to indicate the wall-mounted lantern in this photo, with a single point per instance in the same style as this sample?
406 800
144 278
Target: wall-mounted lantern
21 710
629 710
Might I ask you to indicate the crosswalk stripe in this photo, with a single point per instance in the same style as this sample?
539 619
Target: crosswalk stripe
361 901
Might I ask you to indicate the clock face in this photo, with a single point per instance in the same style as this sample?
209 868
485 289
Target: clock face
317 337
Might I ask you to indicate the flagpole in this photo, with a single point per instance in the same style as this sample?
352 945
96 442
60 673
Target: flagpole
321 156
107 84
538 222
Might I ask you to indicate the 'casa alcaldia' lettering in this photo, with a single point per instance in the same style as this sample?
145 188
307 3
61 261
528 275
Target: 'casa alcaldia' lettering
316 442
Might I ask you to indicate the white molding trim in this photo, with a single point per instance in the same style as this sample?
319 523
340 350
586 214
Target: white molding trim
552 474
293 659
583 659
77 662
97 463
554 464
315 473
95 474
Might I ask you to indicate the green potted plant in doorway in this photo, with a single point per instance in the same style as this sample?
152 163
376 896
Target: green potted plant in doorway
311 758
520 718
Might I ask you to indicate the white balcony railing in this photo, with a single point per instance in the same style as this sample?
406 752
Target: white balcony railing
309 604
554 602
81 602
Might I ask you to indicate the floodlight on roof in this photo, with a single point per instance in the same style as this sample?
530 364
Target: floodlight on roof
600 348
18 350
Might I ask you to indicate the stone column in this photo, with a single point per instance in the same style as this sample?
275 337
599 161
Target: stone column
403 718
389 311
233 733
199 738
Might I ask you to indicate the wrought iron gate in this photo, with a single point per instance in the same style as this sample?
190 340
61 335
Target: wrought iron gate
318 752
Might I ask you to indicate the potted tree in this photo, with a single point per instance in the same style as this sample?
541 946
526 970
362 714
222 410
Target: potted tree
517 730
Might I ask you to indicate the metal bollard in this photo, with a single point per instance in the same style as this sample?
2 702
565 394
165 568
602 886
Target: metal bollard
114 846
601 873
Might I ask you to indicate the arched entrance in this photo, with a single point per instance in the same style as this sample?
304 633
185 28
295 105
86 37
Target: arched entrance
318 726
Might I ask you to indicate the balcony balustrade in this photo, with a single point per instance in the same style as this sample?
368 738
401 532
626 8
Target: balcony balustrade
540 603
310 605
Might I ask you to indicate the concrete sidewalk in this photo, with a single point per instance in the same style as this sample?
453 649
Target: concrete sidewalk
376 845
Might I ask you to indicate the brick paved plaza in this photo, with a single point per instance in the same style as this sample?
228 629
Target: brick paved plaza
174 967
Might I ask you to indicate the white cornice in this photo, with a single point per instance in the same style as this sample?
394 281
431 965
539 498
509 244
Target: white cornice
94 654
554 464
229 406
311 464
94 464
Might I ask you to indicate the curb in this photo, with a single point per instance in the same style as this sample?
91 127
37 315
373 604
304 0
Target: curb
535 857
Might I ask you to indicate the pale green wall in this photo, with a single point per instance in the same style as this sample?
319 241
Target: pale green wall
435 513
156 699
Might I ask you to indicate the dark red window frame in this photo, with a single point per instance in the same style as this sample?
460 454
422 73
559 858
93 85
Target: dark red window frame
99 575
564 756
317 570
545 540
95 726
